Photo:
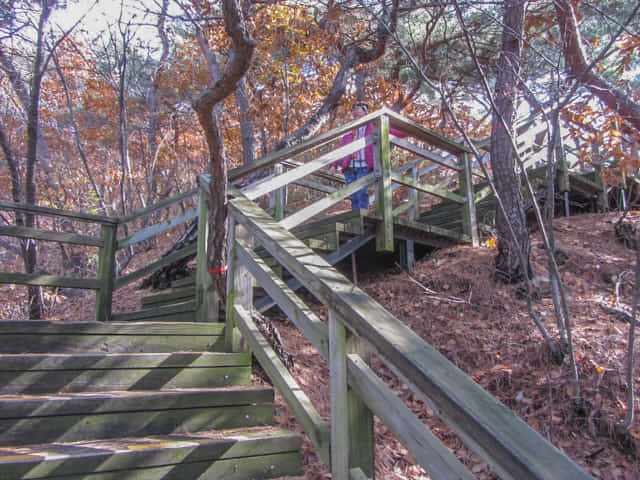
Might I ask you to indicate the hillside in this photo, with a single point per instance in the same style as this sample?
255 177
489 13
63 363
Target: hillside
484 328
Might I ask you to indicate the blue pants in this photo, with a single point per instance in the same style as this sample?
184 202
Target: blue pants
359 199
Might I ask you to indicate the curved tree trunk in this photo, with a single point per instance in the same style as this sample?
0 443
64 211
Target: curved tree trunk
243 46
578 65
503 160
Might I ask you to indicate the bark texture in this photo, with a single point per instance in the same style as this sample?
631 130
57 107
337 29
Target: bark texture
509 267
578 65
243 46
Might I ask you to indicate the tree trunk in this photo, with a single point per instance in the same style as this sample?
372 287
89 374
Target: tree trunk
576 60
509 267
246 124
204 105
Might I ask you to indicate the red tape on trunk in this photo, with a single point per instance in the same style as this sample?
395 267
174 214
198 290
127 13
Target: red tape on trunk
213 271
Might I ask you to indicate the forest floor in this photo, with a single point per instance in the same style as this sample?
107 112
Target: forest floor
483 327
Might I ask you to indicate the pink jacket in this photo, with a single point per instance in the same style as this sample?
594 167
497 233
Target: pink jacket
368 150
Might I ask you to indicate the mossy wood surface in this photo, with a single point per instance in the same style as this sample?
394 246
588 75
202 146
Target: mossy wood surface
158 457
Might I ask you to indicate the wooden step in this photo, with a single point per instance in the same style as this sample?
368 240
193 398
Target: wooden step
71 417
92 372
34 336
236 454
180 312
178 295
184 282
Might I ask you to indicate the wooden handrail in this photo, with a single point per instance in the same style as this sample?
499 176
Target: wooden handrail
166 202
54 212
507 443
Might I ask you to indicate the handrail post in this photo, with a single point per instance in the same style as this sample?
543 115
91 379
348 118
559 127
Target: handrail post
239 287
206 294
338 391
602 198
469 220
409 259
352 428
384 236
106 274
277 198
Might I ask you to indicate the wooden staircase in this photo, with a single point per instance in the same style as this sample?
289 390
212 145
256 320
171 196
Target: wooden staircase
135 400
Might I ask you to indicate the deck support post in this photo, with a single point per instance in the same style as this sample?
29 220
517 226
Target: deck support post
602 198
207 308
414 201
106 274
384 208
239 287
469 220
352 434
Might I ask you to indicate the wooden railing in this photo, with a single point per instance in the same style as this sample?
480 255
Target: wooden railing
358 327
426 152
106 280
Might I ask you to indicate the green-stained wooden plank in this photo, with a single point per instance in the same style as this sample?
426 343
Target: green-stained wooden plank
278 197
327 242
425 447
362 440
62 237
293 284
351 222
239 286
206 296
54 212
78 427
357 474
469 219
43 327
320 187
106 274
421 133
104 361
432 229
80 404
49 280
160 316
183 282
384 207
175 296
324 203
159 205
159 312
113 343
506 442
126 456
338 397
318 173
287 153
259 467
302 316
39 381
299 403
307 168
156 229
400 209
152 267
432 190
426 154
